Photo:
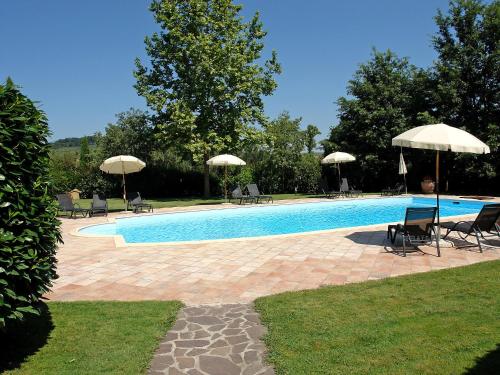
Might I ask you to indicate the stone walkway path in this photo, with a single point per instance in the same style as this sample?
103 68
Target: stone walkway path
213 340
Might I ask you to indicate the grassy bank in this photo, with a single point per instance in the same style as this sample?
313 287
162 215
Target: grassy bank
87 338
444 322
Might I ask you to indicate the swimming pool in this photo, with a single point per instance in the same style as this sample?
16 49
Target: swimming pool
256 221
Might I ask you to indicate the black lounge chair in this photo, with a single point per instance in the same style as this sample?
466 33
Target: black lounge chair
99 204
397 190
66 205
253 192
135 202
344 188
486 221
237 195
417 229
327 192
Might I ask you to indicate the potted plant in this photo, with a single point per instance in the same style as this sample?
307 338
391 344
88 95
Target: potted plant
427 185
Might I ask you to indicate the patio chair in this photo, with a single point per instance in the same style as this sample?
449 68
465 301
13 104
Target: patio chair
327 192
253 192
344 188
136 202
417 229
486 221
99 204
237 195
397 190
66 205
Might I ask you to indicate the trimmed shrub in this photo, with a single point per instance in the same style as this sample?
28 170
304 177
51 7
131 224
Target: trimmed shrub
29 230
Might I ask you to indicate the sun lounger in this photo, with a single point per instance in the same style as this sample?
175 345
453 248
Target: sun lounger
486 221
99 204
253 192
137 203
66 205
397 190
417 229
344 188
327 192
237 195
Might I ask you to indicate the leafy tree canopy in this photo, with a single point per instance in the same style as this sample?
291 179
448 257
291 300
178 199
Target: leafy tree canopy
467 73
132 134
205 81
310 134
388 95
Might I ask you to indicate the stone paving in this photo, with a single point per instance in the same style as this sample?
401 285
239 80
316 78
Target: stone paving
213 340
236 271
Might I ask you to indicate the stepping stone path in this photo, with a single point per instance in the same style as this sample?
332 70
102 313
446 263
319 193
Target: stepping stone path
213 340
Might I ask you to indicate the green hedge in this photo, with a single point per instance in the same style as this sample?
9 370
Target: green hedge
29 230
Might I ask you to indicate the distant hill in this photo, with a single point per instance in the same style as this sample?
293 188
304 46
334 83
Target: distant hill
72 142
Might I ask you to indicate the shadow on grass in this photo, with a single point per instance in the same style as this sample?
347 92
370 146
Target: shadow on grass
24 339
486 365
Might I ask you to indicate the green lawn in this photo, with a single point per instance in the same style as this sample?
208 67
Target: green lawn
87 338
116 204
444 322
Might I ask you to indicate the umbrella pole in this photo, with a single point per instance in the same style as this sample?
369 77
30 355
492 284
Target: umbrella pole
225 183
438 230
124 190
404 174
338 167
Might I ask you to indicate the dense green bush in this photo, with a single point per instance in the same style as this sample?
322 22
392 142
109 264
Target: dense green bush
308 173
29 230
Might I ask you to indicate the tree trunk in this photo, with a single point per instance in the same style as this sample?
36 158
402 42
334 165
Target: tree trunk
206 177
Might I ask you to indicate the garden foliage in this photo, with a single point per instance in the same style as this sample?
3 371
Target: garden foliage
29 230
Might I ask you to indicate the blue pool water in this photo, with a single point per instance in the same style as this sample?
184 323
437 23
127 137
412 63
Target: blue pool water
271 220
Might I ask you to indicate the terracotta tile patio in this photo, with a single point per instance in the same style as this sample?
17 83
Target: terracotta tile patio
235 271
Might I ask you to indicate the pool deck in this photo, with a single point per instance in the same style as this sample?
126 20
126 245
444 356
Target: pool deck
236 271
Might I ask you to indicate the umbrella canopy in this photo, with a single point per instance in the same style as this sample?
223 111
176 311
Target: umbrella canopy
225 160
122 164
337 157
440 137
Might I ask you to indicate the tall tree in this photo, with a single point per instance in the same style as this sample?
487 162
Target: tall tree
285 142
388 95
205 82
468 75
309 137
132 134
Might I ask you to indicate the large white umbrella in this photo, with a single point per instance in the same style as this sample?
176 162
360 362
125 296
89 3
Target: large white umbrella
440 137
337 158
225 160
122 164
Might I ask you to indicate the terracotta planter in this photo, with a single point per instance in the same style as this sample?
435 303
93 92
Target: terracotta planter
427 186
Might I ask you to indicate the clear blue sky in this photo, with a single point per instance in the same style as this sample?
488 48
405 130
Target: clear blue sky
76 57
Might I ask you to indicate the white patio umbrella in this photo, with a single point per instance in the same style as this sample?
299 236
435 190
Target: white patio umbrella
337 158
440 137
122 164
225 160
